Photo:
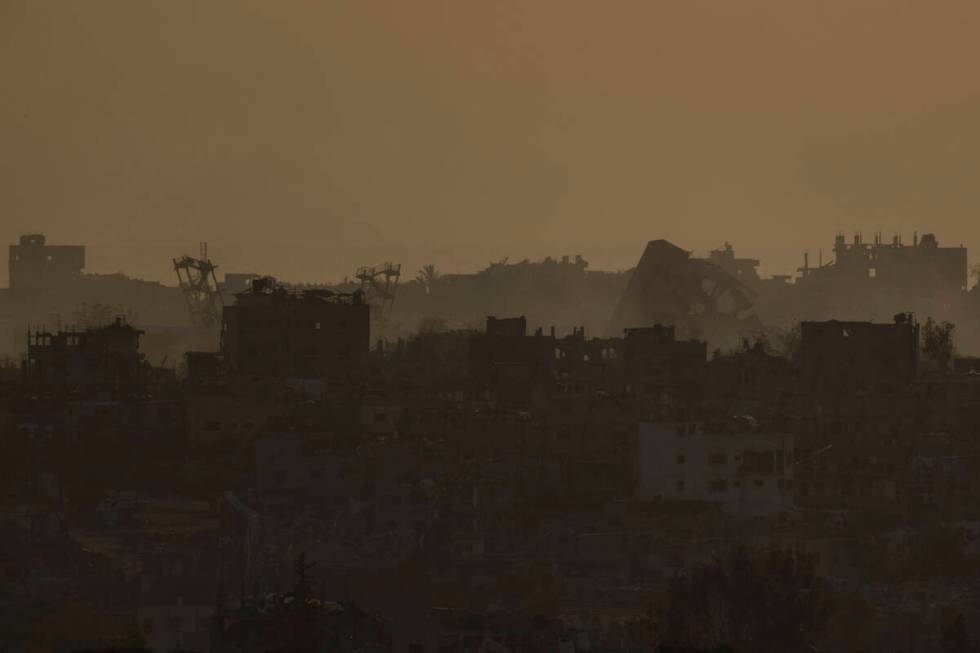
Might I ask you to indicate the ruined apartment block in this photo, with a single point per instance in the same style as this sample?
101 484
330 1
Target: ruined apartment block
274 332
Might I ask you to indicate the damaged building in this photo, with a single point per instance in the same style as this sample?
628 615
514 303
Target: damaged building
101 356
271 331
699 298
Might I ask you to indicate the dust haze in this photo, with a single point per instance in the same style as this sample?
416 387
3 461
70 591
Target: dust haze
303 139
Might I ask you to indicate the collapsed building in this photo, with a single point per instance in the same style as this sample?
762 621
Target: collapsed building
699 298
72 359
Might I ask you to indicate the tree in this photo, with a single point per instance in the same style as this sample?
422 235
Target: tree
788 342
427 276
955 638
750 601
303 591
937 343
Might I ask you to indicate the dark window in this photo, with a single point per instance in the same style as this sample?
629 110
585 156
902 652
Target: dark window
718 486
717 458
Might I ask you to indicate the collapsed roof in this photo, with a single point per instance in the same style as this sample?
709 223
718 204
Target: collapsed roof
670 287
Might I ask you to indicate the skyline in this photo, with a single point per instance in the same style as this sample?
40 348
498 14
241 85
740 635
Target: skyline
308 142
93 264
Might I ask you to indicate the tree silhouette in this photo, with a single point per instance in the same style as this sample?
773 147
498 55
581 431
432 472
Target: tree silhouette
937 342
750 601
955 639
427 276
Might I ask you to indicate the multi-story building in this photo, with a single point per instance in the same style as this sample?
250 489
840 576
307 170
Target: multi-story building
34 265
107 355
658 365
844 357
745 471
274 332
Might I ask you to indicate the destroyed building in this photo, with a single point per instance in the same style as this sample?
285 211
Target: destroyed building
874 280
921 268
699 298
101 356
273 332
49 285
743 269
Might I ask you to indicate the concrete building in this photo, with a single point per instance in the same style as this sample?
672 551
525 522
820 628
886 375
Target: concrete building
923 267
274 332
658 365
509 362
846 357
106 355
745 472
34 265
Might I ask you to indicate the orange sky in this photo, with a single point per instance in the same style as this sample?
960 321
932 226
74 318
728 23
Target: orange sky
306 138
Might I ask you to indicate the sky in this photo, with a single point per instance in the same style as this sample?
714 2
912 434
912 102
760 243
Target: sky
304 139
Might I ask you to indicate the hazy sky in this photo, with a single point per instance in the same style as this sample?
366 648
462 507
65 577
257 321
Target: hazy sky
305 138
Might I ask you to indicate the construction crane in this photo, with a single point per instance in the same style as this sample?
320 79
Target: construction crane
200 288
378 283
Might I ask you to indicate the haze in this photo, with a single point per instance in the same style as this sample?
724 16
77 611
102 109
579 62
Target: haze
304 139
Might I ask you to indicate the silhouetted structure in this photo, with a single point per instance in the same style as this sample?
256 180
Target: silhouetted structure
659 366
379 284
743 269
669 287
35 266
200 287
895 267
846 357
106 356
274 332
509 362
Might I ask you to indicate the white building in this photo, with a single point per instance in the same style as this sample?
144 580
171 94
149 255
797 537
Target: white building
747 472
